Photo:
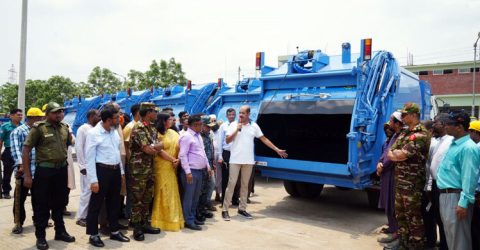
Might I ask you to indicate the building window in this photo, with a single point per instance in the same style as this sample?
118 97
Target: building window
447 71
423 73
476 70
464 70
437 72
415 72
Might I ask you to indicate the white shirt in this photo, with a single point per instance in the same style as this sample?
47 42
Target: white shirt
102 147
242 148
437 155
222 143
80 145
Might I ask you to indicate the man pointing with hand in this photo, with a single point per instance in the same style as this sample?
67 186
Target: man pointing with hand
242 135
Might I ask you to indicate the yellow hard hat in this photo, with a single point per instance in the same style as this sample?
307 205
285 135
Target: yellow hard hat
475 125
44 107
35 112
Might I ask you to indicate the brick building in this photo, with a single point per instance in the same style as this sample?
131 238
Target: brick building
451 83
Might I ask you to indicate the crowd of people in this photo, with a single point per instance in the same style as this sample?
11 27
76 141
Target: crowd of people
429 173
149 171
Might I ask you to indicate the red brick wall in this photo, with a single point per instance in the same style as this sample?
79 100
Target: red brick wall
454 83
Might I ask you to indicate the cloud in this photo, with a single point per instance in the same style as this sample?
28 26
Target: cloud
213 38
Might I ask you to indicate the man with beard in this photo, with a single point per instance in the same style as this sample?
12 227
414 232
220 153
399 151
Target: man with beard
105 173
50 138
93 117
143 144
438 148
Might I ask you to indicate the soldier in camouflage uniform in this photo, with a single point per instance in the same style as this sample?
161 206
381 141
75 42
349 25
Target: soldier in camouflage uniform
143 144
409 153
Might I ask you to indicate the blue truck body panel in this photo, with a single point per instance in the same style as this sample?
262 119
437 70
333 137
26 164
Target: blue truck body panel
327 112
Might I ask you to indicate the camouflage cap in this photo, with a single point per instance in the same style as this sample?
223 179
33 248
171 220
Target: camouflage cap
207 121
147 106
410 108
53 107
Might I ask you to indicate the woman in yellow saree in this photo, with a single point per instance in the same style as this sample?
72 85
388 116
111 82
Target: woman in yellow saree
167 208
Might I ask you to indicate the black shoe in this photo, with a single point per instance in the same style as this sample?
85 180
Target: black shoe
200 218
207 215
193 227
218 198
96 241
122 227
42 244
138 234
81 222
225 216
245 214
249 201
66 213
151 230
7 196
119 237
17 229
211 208
64 236
199 223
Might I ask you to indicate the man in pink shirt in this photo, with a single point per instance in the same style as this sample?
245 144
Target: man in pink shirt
193 158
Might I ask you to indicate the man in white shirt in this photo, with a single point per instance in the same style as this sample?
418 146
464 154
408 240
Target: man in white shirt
224 156
93 117
105 174
242 134
438 149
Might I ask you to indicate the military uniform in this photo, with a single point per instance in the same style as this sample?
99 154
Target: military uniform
409 183
49 188
140 172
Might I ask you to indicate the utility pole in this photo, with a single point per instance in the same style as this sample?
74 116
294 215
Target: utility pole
23 57
239 72
474 73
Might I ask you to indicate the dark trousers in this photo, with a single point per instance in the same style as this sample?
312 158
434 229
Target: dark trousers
203 200
191 195
225 174
109 181
476 223
20 195
8 163
49 193
429 222
436 214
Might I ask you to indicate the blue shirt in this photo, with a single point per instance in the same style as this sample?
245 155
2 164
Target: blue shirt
5 131
460 169
102 146
17 138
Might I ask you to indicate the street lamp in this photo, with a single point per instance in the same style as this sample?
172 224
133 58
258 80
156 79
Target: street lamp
474 72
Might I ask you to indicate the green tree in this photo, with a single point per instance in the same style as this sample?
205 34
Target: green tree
135 79
164 74
8 97
102 80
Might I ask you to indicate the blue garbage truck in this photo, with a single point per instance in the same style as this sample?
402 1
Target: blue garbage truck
328 113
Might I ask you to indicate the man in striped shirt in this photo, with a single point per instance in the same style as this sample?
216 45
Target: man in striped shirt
17 138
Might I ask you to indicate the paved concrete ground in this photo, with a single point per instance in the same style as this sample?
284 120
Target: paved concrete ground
336 220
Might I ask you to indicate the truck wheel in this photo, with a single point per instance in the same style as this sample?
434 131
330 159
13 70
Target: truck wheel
373 197
309 190
291 188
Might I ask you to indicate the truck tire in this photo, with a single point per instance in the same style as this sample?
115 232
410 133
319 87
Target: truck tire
373 196
291 188
309 190
343 188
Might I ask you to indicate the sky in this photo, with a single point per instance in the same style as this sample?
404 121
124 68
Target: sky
212 39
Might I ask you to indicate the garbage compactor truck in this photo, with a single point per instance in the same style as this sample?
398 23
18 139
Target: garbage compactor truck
328 113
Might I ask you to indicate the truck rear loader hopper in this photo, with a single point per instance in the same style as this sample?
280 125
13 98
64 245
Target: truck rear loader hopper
328 113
